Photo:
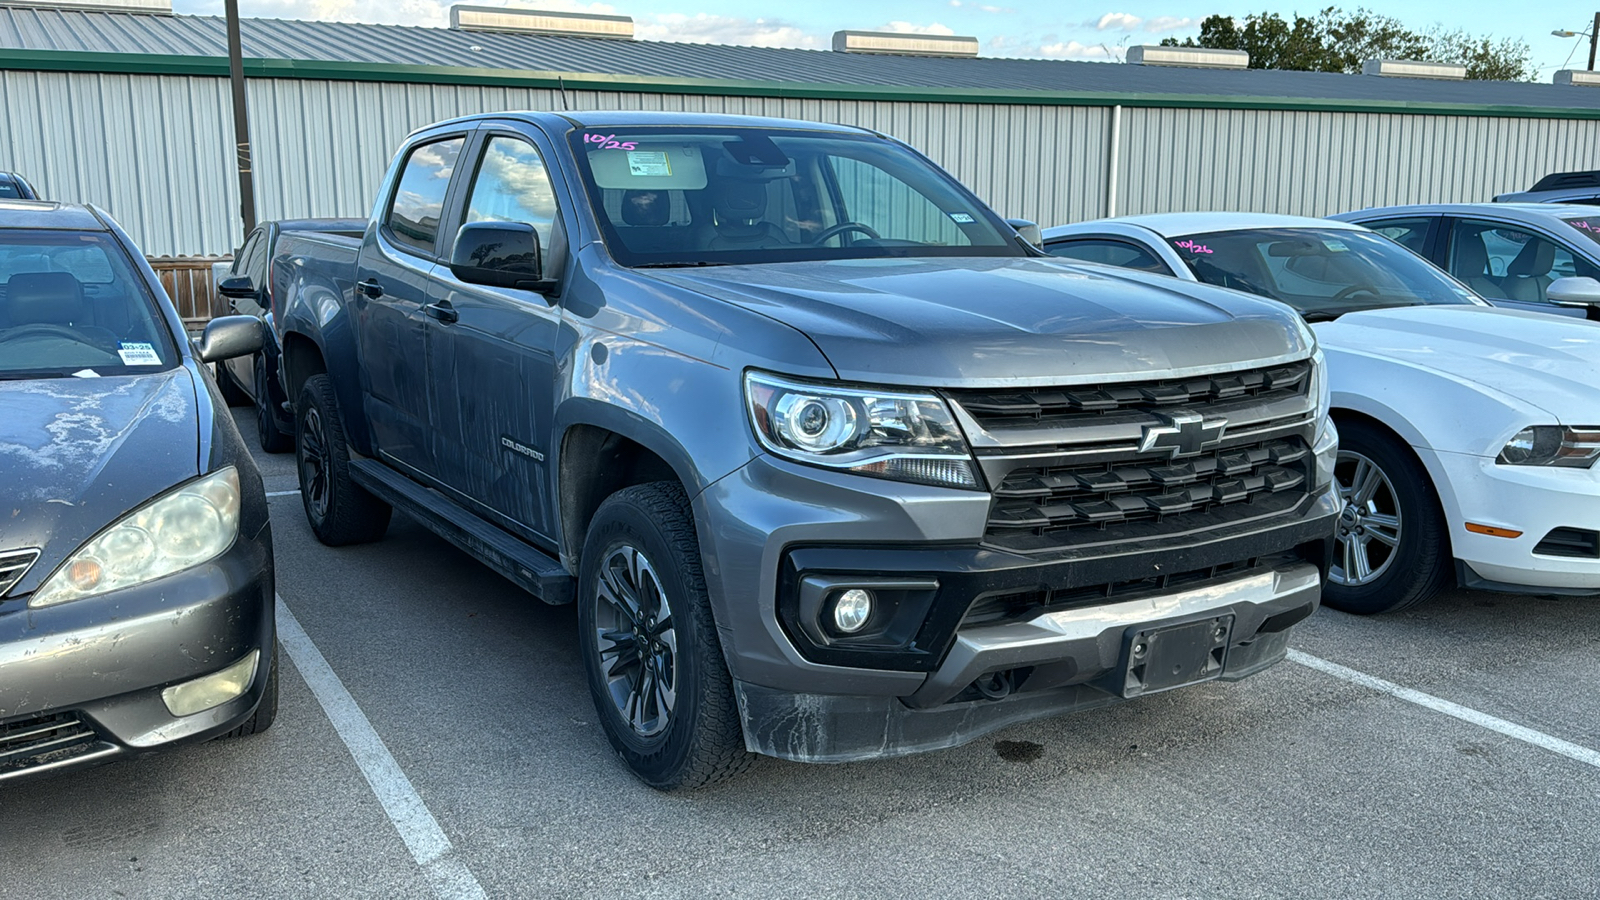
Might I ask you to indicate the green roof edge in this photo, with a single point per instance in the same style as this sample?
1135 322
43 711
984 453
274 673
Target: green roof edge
331 70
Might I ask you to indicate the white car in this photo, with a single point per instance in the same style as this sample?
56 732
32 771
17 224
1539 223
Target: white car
1468 434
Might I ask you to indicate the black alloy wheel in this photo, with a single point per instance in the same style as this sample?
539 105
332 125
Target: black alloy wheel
339 510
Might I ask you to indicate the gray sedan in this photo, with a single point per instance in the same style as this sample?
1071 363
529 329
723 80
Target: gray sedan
1543 257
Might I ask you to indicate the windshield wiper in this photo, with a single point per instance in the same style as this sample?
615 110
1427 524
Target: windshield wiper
680 265
26 375
1321 315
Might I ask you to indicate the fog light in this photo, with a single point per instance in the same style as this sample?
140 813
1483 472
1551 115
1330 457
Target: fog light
852 610
212 690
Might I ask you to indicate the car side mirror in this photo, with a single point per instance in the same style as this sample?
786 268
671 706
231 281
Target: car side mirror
1574 291
1029 230
228 336
237 286
499 254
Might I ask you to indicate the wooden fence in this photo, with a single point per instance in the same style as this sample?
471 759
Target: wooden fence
189 283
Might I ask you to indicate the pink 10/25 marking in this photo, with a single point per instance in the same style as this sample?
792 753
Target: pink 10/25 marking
1191 246
609 142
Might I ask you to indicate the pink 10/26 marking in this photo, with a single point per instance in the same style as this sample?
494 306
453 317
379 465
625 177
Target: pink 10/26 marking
609 142
1192 246
1582 223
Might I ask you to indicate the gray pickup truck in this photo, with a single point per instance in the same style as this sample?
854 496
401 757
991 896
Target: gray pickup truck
834 464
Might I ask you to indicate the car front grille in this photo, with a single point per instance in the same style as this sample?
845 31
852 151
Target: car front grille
1077 466
13 565
38 740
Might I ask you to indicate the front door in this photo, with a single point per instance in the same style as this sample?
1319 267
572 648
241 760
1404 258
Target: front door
397 261
1510 266
492 350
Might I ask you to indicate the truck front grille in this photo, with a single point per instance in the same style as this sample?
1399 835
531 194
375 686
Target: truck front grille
1083 466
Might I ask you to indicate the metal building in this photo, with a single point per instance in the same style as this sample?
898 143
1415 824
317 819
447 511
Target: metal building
130 110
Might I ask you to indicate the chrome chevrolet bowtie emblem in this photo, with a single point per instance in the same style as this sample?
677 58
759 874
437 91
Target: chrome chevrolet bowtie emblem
1184 434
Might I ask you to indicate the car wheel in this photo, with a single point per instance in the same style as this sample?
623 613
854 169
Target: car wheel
650 650
1391 549
267 710
272 438
232 393
339 510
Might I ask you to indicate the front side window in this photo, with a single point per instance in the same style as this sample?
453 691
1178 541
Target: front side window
1504 262
72 303
418 202
512 185
9 190
1121 254
704 196
1323 272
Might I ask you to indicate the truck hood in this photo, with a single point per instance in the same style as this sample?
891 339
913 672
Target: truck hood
1526 358
983 322
76 453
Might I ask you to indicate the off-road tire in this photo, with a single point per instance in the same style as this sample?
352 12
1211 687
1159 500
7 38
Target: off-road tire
701 742
267 710
339 511
1420 566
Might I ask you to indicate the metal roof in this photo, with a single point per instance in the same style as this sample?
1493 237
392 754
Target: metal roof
38 36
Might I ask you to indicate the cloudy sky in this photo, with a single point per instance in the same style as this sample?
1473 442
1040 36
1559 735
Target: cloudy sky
1032 28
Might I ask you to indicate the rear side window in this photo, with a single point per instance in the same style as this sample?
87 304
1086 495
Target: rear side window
8 190
413 218
1111 253
1411 234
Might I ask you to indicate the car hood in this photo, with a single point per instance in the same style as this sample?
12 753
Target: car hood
1532 359
976 321
76 453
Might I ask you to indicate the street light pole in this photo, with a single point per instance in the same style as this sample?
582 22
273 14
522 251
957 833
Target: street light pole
241 119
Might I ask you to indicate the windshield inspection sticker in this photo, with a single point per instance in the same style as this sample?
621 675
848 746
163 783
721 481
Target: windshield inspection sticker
138 354
962 218
1192 246
1336 246
647 163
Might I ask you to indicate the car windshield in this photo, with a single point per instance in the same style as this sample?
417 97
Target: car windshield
1324 273
71 303
1588 226
720 196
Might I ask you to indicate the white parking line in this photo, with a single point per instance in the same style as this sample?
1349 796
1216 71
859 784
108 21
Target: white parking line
1454 710
448 875
283 493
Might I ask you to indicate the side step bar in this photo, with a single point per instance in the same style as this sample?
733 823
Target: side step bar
526 566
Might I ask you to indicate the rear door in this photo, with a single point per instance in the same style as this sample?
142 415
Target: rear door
398 258
492 349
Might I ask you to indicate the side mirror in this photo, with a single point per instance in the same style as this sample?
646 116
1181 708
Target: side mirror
1029 230
237 286
228 336
1574 291
499 254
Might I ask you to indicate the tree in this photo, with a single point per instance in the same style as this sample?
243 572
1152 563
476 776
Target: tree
1338 41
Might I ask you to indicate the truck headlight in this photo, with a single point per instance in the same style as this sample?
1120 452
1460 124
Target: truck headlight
1552 445
180 529
883 433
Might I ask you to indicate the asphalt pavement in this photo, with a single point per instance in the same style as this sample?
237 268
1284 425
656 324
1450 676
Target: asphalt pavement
1468 768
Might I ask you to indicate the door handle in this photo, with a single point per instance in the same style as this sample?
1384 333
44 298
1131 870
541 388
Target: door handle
370 287
442 311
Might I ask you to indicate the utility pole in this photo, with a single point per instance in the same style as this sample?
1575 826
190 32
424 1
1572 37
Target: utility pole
1592 32
241 118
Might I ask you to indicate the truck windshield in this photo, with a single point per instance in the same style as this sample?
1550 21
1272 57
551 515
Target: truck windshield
1322 272
706 196
71 303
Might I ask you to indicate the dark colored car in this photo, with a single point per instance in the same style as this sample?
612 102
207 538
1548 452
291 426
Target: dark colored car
1582 188
15 187
136 582
253 379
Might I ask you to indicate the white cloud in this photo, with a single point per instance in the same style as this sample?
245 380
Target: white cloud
1075 50
1164 24
1117 21
703 28
910 28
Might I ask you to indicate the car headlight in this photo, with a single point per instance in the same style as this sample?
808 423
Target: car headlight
1552 445
883 433
180 529
1320 389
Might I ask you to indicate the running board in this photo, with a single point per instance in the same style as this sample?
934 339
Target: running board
524 565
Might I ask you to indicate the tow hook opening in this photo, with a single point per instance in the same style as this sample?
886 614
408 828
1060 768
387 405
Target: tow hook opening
995 685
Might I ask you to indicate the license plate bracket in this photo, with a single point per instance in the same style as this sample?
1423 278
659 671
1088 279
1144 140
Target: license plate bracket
1172 656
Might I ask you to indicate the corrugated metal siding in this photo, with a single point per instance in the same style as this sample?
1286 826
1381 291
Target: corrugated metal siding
157 151
1315 164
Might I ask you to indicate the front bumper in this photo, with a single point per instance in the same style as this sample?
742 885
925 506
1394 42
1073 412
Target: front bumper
1534 500
102 663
